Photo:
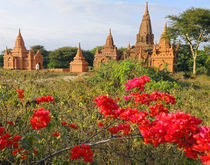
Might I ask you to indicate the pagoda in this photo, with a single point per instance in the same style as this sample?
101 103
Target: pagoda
108 52
164 55
20 58
144 41
79 64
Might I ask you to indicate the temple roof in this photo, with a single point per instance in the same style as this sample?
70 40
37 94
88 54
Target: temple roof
109 40
164 39
145 27
19 43
79 55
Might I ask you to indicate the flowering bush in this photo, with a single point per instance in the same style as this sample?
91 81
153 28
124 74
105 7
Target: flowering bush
142 115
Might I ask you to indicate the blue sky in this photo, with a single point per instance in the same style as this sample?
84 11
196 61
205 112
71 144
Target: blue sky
58 23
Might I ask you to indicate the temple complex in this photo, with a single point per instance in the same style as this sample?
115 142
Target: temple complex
21 58
108 52
79 64
164 55
160 55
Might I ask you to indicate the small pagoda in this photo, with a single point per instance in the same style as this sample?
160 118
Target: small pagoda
108 52
20 58
79 64
164 54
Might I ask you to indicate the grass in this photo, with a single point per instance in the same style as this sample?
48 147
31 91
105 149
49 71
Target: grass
74 103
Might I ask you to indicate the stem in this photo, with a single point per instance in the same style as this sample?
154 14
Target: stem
90 144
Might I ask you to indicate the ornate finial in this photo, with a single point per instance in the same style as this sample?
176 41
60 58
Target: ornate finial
129 47
6 51
110 31
165 28
19 33
146 9
79 46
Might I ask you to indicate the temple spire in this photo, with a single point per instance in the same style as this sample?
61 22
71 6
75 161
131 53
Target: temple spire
19 43
109 40
165 28
146 12
164 39
129 47
6 51
145 35
79 53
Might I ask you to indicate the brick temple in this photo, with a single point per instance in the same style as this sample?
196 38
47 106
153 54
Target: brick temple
160 55
22 59
108 52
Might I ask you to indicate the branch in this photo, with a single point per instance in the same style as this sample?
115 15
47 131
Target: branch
98 132
200 40
188 40
90 144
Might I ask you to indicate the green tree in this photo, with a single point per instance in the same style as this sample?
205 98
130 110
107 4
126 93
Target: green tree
44 53
60 58
193 26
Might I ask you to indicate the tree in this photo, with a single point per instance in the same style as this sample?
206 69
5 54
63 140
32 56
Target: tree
192 25
61 57
44 53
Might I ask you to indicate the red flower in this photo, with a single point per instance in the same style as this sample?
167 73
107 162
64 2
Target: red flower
64 123
82 151
23 157
10 123
56 134
35 152
100 124
45 99
91 132
137 83
40 118
72 125
20 92
16 138
127 98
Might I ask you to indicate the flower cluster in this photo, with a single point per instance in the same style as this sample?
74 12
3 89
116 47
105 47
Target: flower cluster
56 134
157 109
107 105
40 118
45 99
137 83
157 125
82 151
181 129
7 141
146 98
132 115
20 94
121 127
72 125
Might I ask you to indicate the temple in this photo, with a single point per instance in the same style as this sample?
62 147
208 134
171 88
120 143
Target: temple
160 55
164 55
108 52
144 41
22 59
79 64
